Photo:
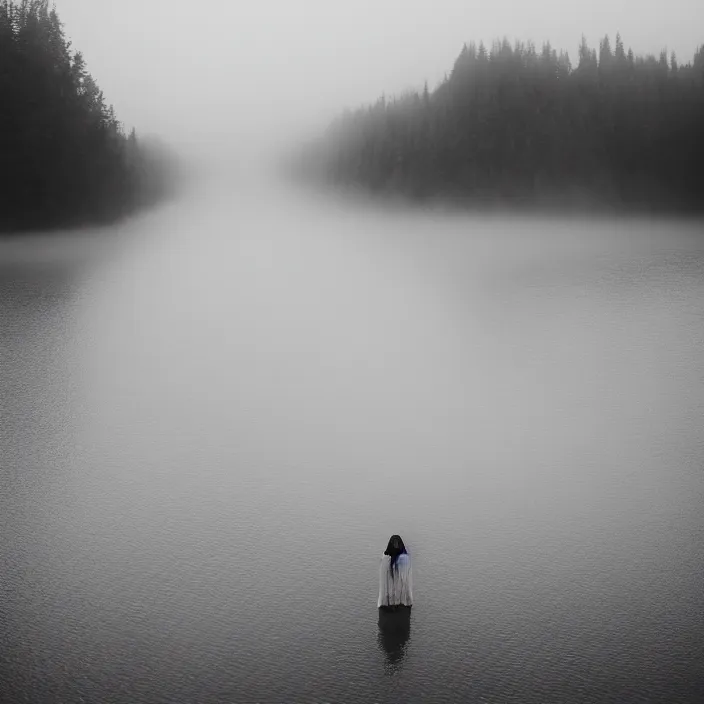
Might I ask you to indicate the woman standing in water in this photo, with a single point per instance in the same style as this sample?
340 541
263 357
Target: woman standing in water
395 581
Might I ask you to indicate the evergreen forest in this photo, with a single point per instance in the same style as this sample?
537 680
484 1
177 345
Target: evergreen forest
513 124
65 158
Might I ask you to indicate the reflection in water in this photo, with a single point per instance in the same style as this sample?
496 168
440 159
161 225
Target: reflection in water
394 634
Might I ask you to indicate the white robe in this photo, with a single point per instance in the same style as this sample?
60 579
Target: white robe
395 588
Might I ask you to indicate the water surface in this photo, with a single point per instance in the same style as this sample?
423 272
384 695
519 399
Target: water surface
214 416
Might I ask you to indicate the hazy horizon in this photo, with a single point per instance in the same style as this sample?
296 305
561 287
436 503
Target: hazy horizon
256 76
473 319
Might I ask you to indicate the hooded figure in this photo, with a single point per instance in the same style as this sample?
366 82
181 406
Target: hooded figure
395 582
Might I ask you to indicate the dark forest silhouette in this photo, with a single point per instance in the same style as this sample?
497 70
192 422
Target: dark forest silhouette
516 125
65 157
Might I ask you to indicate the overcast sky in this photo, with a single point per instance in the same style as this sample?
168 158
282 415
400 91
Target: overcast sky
201 72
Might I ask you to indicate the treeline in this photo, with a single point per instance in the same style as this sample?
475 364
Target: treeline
516 125
64 157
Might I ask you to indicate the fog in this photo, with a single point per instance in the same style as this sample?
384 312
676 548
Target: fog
250 76
216 410
218 414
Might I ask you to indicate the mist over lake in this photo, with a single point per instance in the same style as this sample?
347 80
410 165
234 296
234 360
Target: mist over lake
215 414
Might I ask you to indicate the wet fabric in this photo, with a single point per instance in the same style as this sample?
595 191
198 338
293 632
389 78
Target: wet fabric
395 585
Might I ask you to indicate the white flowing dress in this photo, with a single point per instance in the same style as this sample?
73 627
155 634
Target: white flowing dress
395 588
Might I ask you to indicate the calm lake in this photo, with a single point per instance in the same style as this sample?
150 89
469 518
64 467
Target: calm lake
214 416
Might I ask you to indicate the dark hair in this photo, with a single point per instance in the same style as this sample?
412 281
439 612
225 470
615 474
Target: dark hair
394 549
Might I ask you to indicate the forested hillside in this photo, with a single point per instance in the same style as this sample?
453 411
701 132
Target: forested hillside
514 124
64 156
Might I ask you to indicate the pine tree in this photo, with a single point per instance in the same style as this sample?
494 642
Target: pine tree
64 155
522 126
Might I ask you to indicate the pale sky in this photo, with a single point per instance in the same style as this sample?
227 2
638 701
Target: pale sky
206 73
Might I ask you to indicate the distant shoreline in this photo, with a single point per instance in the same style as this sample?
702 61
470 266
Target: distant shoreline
520 129
67 161
578 206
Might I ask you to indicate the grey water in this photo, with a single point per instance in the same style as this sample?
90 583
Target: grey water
215 414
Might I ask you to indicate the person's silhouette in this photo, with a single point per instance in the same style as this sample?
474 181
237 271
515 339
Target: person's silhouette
395 576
